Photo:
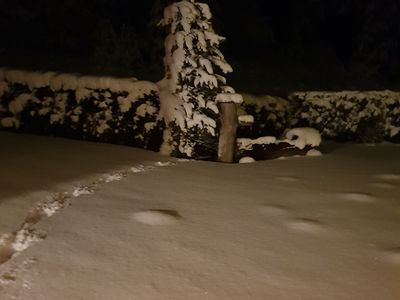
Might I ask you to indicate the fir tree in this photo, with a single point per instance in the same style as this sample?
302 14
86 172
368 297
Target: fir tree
193 87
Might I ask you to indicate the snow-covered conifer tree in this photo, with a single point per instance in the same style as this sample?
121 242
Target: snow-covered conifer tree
193 85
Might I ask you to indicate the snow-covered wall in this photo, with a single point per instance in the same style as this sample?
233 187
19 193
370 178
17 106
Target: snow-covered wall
117 110
349 115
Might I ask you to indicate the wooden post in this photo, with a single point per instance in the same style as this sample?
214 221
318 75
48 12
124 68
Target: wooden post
227 134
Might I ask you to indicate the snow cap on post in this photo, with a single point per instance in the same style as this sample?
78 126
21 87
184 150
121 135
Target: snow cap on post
229 98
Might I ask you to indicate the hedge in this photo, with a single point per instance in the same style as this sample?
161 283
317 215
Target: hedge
371 116
115 110
126 110
271 116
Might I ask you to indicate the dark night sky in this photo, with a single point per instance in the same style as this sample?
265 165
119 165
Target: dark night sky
350 34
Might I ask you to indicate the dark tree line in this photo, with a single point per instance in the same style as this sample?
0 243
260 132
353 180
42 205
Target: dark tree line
121 35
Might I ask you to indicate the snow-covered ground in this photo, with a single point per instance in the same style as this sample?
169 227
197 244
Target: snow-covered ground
92 221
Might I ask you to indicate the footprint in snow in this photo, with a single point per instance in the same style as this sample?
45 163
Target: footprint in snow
165 164
10 274
113 177
19 241
358 197
306 225
274 210
6 249
392 255
288 178
384 185
389 176
157 217
82 190
138 169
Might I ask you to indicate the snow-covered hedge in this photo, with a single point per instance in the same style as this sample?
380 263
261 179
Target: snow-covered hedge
350 115
116 110
271 116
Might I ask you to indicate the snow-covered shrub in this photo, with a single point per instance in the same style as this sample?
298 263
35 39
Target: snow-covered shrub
350 115
391 112
296 141
271 115
192 86
123 111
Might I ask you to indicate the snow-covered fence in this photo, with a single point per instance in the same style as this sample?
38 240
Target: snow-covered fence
116 110
271 115
350 115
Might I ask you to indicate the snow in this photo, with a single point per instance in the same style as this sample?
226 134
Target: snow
314 152
246 119
64 82
154 217
24 239
246 160
247 144
342 114
10 122
223 65
302 137
58 82
15 76
298 228
190 83
18 104
389 177
357 197
228 97
81 190
113 177
298 137
168 104
82 93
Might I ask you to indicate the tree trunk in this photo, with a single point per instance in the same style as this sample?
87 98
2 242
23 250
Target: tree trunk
227 134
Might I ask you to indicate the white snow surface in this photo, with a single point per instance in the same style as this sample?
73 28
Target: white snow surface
300 228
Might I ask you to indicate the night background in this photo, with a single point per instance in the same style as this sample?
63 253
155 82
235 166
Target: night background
274 46
121 180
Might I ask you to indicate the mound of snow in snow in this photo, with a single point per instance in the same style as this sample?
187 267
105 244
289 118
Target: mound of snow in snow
358 197
303 137
246 160
156 217
314 152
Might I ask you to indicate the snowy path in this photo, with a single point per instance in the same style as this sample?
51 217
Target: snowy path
13 243
302 228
